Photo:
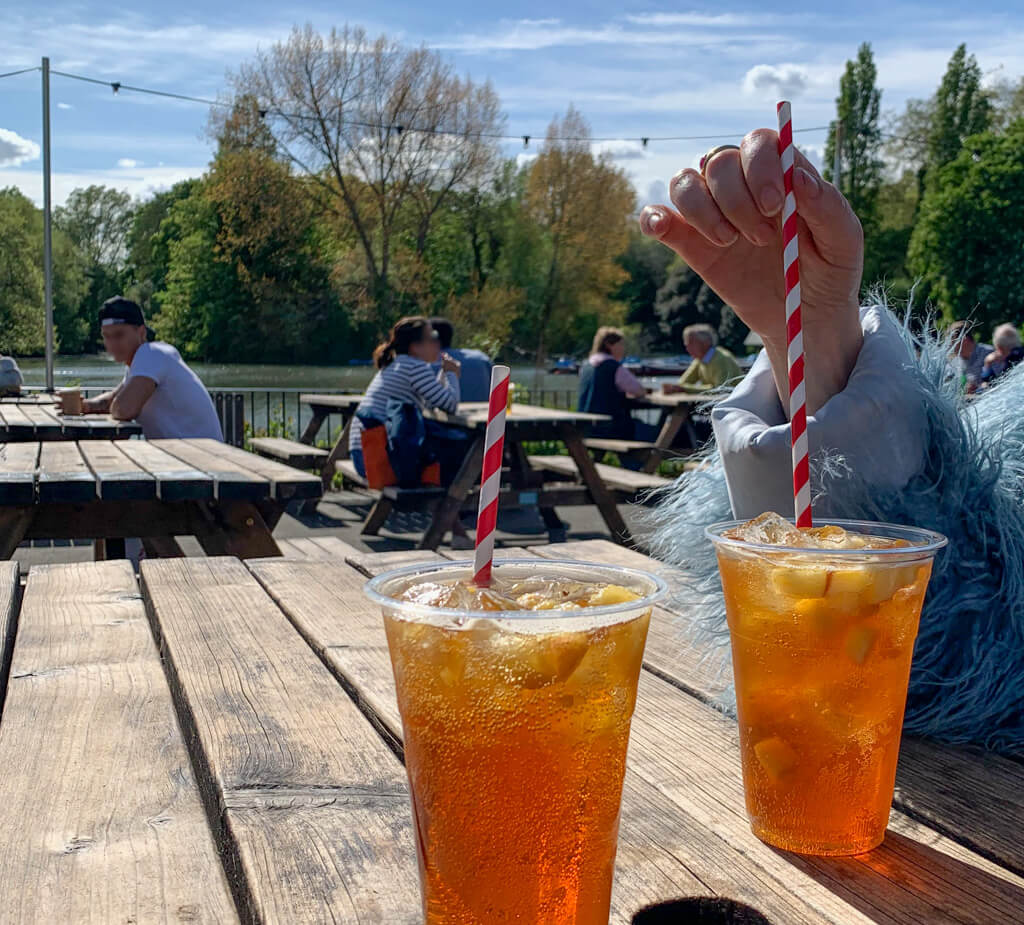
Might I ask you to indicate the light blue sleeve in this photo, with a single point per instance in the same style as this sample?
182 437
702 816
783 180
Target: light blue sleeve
877 425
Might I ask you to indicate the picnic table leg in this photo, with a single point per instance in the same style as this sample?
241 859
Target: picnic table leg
603 498
14 524
162 547
338 451
451 504
670 427
377 516
109 548
234 528
313 427
523 476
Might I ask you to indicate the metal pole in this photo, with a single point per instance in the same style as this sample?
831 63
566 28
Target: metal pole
837 165
47 230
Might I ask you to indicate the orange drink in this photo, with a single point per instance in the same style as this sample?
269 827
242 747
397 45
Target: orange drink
516 703
822 624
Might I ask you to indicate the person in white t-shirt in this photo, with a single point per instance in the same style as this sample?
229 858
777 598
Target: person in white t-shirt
159 390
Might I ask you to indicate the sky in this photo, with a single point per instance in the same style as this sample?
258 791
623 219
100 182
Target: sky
633 68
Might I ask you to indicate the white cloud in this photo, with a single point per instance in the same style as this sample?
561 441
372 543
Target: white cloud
619 149
776 80
128 162
138 183
525 158
65 106
15 150
720 20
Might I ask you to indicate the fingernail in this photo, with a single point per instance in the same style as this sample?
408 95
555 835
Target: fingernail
725 233
652 220
771 200
812 187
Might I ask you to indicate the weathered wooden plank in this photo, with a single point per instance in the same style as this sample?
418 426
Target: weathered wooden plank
18 463
317 547
313 804
10 592
176 481
102 820
612 476
691 754
662 851
287 483
119 478
973 797
46 424
373 563
300 455
63 474
19 425
231 483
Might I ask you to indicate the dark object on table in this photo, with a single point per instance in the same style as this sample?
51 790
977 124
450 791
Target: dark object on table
705 910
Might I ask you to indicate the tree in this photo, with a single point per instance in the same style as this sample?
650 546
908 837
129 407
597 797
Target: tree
388 134
582 205
961 109
858 110
646 262
686 299
970 232
98 220
1007 102
21 277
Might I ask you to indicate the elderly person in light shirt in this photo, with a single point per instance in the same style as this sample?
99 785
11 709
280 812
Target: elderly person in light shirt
1007 353
712 367
891 436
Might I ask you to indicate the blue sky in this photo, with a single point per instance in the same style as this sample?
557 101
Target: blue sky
633 68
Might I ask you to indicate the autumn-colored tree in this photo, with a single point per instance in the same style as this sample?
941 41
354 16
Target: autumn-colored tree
581 204
388 134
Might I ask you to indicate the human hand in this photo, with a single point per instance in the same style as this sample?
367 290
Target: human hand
450 365
728 227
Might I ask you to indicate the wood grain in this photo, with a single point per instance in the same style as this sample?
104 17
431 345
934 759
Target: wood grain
300 455
102 820
973 797
663 852
176 481
287 483
230 482
46 424
63 475
119 478
18 463
313 803
317 547
10 594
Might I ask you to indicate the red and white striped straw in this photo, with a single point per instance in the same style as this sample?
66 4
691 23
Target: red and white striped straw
794 326
490 479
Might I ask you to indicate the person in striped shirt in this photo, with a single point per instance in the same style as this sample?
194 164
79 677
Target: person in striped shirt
404 374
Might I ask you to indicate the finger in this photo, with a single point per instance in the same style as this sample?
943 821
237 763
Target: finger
696 205
728 186
829 219
762 168
669 227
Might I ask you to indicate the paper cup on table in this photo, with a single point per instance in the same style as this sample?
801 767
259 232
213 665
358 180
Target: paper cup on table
71 400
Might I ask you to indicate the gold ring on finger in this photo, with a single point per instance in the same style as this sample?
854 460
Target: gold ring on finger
706 159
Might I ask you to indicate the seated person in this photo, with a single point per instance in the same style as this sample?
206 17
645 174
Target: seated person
475 378
890 435
1007 353
712 367
606 385
10 378
159 390
969 355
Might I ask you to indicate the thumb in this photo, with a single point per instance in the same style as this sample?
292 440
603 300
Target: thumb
829 218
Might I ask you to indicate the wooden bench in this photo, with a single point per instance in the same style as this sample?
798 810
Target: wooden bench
620 480
389 498
290 452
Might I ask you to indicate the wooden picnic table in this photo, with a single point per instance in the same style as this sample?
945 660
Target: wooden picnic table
676 411
230 500
35 418
525 423
322 407
221 743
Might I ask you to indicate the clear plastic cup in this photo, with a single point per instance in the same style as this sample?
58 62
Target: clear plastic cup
516 725
822 641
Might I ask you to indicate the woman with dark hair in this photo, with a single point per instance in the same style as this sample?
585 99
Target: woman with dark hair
404 375
606 385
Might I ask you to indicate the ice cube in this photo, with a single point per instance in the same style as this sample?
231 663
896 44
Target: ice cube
769 529
777 757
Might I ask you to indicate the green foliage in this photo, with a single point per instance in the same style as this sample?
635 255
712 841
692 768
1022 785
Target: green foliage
969 237
646 263
21 278
858 107
961 109
686 299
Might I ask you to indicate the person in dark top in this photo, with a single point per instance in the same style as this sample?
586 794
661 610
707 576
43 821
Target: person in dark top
606 385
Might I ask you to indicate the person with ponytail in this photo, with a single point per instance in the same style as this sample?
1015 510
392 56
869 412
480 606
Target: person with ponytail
404 375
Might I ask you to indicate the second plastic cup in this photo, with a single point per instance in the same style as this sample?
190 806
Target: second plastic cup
516 726
822 641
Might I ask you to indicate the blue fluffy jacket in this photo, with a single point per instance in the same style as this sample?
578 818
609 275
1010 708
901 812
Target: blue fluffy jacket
967 680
